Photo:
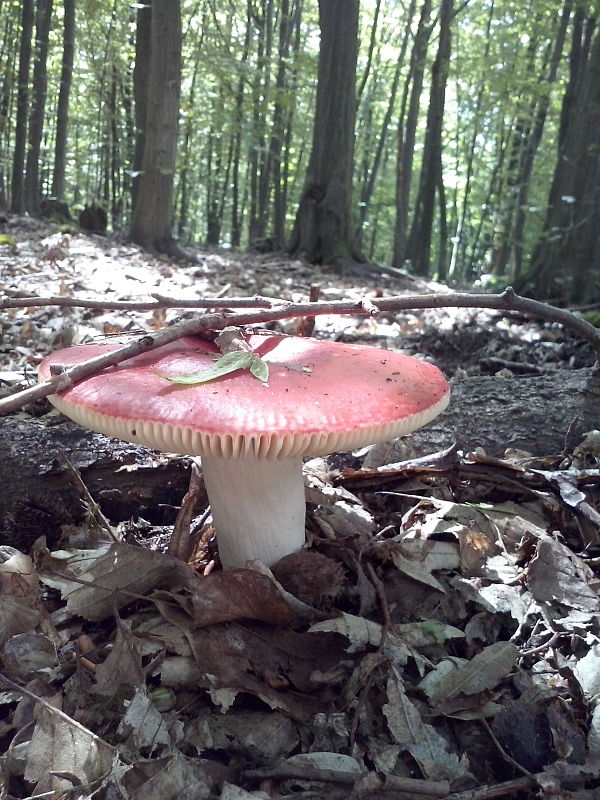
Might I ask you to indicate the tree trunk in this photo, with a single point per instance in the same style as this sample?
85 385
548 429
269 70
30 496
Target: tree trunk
238 119
566 262
151 222
141 75
17 205
62 111
323 231
419 244
32 187
278 124
456 267
281 172
407 131
368 185
533 142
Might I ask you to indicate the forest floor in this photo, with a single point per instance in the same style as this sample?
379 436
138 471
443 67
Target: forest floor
439 637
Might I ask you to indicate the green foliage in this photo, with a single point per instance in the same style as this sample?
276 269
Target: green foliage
247 108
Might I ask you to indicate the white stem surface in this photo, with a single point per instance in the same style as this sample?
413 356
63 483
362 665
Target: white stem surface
258 508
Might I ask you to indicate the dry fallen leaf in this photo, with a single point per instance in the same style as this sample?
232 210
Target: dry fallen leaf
60 745
123 665
238 594
95 582
556 574
429 749
483 671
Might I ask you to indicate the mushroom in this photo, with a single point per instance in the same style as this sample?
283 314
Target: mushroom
320 397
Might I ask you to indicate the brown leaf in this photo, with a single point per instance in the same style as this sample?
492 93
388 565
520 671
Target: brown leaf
238 594
123 665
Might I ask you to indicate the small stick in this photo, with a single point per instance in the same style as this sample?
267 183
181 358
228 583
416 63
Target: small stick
89 500
180 541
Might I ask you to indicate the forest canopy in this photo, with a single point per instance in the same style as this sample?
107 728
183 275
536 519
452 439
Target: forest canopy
457 140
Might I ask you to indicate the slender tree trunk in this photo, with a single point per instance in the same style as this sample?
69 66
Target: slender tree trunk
368 185
372 41
184 202
533 142
407 131
151 222
141 76
238 118
36 117
17 205
282 167
62 111
278 123
421 231
324 231
457 266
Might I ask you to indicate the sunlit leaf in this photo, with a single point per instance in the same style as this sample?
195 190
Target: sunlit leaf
227 363
260 369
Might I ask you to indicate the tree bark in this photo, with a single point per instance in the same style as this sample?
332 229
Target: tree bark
62 110
151 220
17 205
324 231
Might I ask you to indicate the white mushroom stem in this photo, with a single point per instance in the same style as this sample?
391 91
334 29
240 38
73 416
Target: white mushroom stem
258 508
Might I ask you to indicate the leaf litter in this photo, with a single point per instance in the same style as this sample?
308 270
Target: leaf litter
440 637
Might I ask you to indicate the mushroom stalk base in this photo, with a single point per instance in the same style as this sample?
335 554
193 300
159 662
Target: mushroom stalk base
258 508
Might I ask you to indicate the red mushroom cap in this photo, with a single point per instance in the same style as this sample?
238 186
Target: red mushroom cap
321 397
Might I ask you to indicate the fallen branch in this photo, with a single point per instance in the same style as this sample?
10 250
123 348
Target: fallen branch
507 301
160 301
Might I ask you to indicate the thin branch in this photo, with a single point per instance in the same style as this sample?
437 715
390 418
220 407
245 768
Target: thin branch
507 301
160 301
413 786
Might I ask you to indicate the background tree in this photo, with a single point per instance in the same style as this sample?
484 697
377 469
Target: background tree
151 219
324 231
32 186
62 109
566 262
17 204
431 182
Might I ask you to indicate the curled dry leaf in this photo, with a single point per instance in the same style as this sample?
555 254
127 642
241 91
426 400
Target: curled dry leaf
310 576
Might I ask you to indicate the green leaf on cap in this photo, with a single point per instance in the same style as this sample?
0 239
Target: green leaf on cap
230 362
259 368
